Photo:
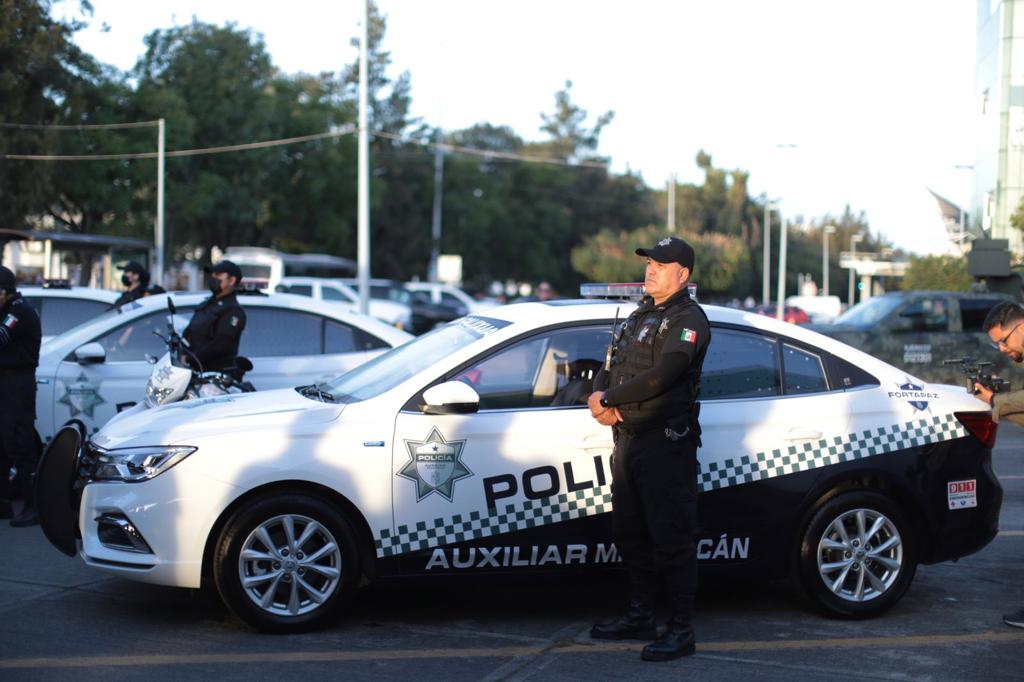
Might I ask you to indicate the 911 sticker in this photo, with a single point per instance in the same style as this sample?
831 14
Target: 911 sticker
962 494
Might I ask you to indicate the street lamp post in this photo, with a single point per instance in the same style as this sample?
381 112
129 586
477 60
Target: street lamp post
825 232
854 238
767 266
781 305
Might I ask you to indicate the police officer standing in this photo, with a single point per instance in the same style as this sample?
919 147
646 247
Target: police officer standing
136 282
216 326
20 336
649 397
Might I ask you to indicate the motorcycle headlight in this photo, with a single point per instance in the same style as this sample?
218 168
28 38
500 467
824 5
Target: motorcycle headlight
132 465
155 395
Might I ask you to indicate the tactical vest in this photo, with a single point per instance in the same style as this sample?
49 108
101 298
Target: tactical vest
638 345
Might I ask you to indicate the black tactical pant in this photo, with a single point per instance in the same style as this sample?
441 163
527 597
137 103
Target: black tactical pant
17 432
654 498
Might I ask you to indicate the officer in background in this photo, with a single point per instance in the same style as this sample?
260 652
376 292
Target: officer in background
651 403
1004 327
217 324
20 336
136 282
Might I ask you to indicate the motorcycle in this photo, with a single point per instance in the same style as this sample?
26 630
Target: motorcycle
179 374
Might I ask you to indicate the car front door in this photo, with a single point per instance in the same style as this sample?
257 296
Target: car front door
93 392
520 483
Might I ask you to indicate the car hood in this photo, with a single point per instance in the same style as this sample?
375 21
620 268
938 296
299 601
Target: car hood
239 412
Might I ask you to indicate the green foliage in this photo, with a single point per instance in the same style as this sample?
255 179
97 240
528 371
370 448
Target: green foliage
1017 218
719 269
943 273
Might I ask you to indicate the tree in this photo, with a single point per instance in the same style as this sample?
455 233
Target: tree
943 273
38 67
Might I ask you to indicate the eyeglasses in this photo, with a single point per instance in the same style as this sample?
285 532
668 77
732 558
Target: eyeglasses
1002 342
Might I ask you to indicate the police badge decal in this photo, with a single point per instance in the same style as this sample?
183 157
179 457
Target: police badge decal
434 464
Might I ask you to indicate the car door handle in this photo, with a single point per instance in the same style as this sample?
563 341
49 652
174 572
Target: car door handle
798 433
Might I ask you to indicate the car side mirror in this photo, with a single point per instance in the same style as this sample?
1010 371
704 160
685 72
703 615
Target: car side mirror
451 397
90 354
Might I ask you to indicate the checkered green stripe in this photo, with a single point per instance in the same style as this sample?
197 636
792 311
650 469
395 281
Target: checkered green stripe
459 528
824 452
730 472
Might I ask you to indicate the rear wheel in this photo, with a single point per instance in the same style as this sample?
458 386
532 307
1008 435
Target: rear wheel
857 557
286 562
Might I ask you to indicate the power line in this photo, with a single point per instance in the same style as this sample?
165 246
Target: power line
83 126
495 154
347 130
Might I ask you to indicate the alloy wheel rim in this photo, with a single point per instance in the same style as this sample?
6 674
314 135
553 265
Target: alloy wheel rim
290 565
860 555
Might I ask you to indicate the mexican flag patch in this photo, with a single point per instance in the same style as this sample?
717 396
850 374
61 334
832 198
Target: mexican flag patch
10 321
689 336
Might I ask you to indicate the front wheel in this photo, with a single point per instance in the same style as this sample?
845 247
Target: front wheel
285 562
857 557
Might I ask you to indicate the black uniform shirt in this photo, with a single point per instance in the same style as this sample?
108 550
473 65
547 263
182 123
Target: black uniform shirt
137 293
20 335
215 330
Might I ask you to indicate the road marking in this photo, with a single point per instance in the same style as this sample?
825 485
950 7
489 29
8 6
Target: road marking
502 652
1012 477
1012 533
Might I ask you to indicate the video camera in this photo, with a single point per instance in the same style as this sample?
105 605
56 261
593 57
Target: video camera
976 373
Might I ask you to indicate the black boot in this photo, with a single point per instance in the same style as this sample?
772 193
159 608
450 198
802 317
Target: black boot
677 641
637 623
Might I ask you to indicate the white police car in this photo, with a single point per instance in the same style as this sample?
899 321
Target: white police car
470 450
97 369
61 306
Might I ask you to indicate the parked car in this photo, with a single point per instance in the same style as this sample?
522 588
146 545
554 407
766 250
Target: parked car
395 313
449 295
63 306
917 330
425 313
101 367
790 313
470 450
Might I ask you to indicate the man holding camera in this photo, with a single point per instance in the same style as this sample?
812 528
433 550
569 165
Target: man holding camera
1004 327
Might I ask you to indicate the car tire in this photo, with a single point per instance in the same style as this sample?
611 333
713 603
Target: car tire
286 563
849 571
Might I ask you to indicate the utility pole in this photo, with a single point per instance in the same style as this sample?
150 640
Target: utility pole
766 267
363 222
435 226
670 220
780 307
158 265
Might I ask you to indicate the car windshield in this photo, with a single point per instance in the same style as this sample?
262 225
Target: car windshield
869 313
392 368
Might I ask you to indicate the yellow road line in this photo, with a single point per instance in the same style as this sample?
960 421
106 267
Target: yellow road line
502 652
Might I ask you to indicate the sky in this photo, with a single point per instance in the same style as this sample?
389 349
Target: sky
826 103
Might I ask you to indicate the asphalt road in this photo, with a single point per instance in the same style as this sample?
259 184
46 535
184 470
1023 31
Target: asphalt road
61 620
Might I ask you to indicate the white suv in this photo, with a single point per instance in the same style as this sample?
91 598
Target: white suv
394 313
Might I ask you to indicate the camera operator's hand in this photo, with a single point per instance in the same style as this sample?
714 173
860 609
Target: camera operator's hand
983 393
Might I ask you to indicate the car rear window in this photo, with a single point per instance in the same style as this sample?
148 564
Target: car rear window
739 365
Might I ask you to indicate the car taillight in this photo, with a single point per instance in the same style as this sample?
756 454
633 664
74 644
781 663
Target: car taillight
979 425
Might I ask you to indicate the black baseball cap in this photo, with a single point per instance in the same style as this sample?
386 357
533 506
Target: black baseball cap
229 269
7 279
670 250
134 266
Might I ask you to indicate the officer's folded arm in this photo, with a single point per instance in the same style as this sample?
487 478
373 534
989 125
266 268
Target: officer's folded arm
667 372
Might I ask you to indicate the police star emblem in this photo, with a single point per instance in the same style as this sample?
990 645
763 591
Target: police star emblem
434 465
81 396
665 242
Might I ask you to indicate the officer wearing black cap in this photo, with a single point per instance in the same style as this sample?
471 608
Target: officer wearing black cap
217 324
648 395
20 335
136 280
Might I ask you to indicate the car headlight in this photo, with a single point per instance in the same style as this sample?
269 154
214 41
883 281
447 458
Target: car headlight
137 464
156 395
